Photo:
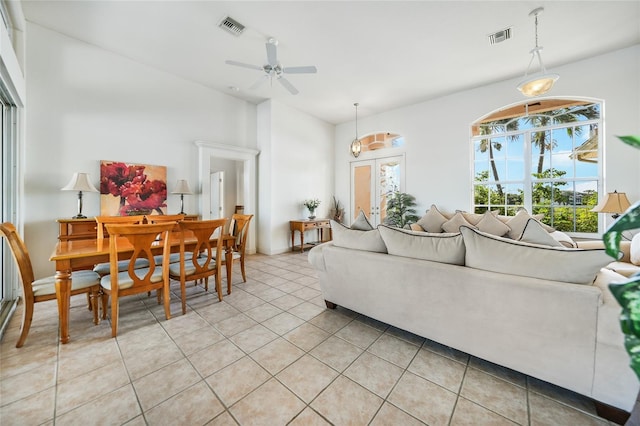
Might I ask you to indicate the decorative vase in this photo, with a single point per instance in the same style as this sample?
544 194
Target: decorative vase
312 214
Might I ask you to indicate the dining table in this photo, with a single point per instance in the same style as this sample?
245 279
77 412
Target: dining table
75 255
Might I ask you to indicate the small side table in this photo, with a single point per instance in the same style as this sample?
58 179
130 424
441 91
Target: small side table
322 225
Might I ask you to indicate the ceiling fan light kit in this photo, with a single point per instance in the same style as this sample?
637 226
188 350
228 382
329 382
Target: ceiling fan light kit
541 82
274 69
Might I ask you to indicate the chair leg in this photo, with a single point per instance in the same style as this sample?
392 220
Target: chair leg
167 300
183 295
93 298
244 275
105 304
219 287
114 316
27 317
89 303
206 283
159 293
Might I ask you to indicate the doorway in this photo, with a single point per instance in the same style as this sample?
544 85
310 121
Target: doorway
371 182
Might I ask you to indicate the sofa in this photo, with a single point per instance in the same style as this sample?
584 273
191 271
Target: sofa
541 309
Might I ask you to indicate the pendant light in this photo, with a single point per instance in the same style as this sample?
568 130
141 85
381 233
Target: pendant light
541 82
356 145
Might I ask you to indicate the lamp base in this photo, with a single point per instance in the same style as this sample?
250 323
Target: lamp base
79 216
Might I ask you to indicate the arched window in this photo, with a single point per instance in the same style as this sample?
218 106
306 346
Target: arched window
543 156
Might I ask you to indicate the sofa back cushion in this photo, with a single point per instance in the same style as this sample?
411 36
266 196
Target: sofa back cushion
496 254
356 239
437 247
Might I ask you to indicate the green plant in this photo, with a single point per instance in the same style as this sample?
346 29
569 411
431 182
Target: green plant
400 209
627 292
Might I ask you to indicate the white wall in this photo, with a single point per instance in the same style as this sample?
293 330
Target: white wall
437 131
296 163
86 104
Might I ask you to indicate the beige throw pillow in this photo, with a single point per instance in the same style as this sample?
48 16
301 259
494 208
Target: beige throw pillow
361 223
453 225
492 225
496 254
356 239
436 247
519 221
634 250
534 233
432 221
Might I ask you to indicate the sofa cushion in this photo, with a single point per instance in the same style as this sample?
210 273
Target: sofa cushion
634 250
433 219
602 281
490 224
356 239
625 269
563 239
519 221
496 254
361 223
437 247
534 233
453 225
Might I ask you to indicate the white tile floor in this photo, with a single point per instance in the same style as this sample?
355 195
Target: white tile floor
269 354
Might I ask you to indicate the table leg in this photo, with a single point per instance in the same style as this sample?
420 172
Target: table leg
63 295
301 241
293 236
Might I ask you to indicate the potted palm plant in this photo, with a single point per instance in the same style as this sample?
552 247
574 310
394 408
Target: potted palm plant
627 292
400 209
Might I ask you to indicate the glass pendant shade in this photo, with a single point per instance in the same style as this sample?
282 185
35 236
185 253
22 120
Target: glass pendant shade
356 145
541 82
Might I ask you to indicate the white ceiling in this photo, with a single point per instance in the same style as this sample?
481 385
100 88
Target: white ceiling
382 54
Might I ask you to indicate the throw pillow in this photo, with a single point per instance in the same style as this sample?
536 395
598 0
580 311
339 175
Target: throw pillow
432 221
356 239
361 223
634 250
497 254
454 224
534 233
602 281
437 247
563 239
492 225
519 221
416 227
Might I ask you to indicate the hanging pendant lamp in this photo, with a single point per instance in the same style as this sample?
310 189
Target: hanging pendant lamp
541 82
356 145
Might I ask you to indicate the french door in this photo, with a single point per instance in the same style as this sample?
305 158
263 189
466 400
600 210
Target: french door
371 182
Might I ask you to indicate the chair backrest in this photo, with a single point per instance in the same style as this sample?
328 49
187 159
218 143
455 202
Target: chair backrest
240 229
142 238
21 255
204 252
162 218
102 221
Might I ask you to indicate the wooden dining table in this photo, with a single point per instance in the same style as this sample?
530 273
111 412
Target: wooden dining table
75 255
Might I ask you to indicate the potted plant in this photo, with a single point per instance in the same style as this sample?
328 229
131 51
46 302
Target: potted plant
337 211
312 205
400 209
627 292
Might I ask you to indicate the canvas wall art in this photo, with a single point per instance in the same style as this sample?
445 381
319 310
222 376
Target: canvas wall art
130 189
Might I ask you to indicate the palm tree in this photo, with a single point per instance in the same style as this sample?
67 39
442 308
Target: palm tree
559 116
490 128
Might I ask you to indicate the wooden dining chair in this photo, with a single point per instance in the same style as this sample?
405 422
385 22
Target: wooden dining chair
202 262
104 268
160 218
141 239
239 228
44 289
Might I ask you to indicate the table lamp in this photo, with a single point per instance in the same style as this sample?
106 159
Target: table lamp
614 202
182 188
80 182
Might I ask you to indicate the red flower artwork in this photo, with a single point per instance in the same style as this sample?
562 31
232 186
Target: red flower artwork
137 191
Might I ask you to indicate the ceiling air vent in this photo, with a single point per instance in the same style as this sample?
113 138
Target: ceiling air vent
231 25
500 36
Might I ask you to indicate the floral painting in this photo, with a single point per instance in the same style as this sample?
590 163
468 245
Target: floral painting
131 189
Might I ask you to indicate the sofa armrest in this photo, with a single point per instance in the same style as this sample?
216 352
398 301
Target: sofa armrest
625 247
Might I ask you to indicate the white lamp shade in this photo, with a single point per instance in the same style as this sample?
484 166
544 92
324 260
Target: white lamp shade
80 182
538 85
614 202
182 187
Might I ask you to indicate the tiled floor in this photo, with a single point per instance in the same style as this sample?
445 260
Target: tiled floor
269 354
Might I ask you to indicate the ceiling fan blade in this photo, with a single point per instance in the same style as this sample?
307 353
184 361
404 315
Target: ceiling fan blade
272 53
243 65
300 70
259 82
287 85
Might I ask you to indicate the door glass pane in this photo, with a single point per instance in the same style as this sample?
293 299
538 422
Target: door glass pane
361 190
389 182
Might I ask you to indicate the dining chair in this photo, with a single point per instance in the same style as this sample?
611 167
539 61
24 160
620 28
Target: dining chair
159 218
239 228
202 263
44 289
140 239
104 268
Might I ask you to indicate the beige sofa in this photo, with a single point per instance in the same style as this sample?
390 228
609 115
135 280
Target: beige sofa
563 332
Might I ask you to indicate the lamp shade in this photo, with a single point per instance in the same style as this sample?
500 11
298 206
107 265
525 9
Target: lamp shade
182 187
80 182
538 84
614 202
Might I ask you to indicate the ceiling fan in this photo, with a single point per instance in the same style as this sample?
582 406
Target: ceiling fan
274 69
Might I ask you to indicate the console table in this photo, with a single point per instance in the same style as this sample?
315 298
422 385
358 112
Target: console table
86 229
321 225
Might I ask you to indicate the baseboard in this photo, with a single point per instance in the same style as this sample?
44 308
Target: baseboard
613 414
